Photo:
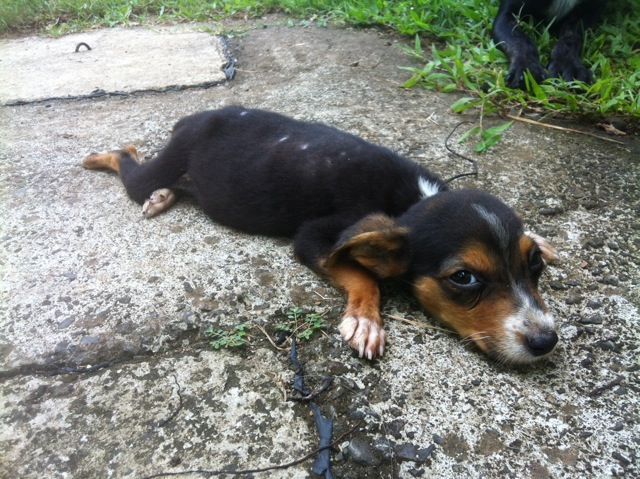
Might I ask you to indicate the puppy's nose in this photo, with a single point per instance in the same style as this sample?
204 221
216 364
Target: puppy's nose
542 343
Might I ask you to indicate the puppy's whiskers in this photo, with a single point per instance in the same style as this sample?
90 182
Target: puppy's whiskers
477 336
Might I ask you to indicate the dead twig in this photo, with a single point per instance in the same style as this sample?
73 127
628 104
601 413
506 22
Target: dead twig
561 128
418 323
610 129
269 338
322 297
175 413
598 391
280 383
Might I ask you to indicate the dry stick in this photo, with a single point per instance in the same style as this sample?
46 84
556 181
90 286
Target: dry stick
262 469
322 297
280 384
269 338
562 128
418 323
598 391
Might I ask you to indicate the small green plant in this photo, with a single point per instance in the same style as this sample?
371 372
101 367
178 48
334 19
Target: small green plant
302 324
232 338
487 137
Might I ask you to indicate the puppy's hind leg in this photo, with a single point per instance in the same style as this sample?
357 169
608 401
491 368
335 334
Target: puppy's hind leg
126 163
110 161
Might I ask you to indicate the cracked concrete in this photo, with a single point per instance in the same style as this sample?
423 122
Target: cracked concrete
87 280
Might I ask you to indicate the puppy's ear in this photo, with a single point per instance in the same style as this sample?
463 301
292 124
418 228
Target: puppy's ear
377 242
549 253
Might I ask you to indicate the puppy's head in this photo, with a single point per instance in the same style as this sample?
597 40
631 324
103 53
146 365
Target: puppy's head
471 265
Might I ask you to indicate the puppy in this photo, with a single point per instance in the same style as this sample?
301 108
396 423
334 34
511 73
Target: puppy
570 19
357 213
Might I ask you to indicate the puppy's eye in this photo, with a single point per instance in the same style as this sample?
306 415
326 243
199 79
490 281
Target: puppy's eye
464 278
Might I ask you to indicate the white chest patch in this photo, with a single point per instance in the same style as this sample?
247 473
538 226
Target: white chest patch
559 8
428 188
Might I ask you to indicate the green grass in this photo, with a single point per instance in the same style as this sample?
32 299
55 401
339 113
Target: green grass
62 16
461 57
472 64
301 324
232 338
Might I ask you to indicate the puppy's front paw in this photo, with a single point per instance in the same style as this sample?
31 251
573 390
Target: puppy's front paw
159 201
364 335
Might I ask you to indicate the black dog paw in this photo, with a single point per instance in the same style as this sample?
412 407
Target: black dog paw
515 78
569 69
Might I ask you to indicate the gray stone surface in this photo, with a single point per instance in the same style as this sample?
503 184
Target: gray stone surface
86 281
119 60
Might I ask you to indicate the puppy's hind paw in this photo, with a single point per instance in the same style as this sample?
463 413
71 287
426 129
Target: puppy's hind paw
364 335
96 161
110 160
159 201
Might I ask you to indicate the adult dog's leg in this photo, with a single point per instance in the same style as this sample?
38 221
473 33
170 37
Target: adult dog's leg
519 48
565 60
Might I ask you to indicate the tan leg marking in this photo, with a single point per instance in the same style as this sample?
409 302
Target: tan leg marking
109 160
97 161
361 324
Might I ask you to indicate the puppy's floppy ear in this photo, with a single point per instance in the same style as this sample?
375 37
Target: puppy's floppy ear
377 242
549 253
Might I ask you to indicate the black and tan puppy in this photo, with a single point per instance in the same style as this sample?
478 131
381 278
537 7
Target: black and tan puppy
357 213
570 19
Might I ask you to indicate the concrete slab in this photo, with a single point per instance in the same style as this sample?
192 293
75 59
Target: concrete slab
120 60
87 281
